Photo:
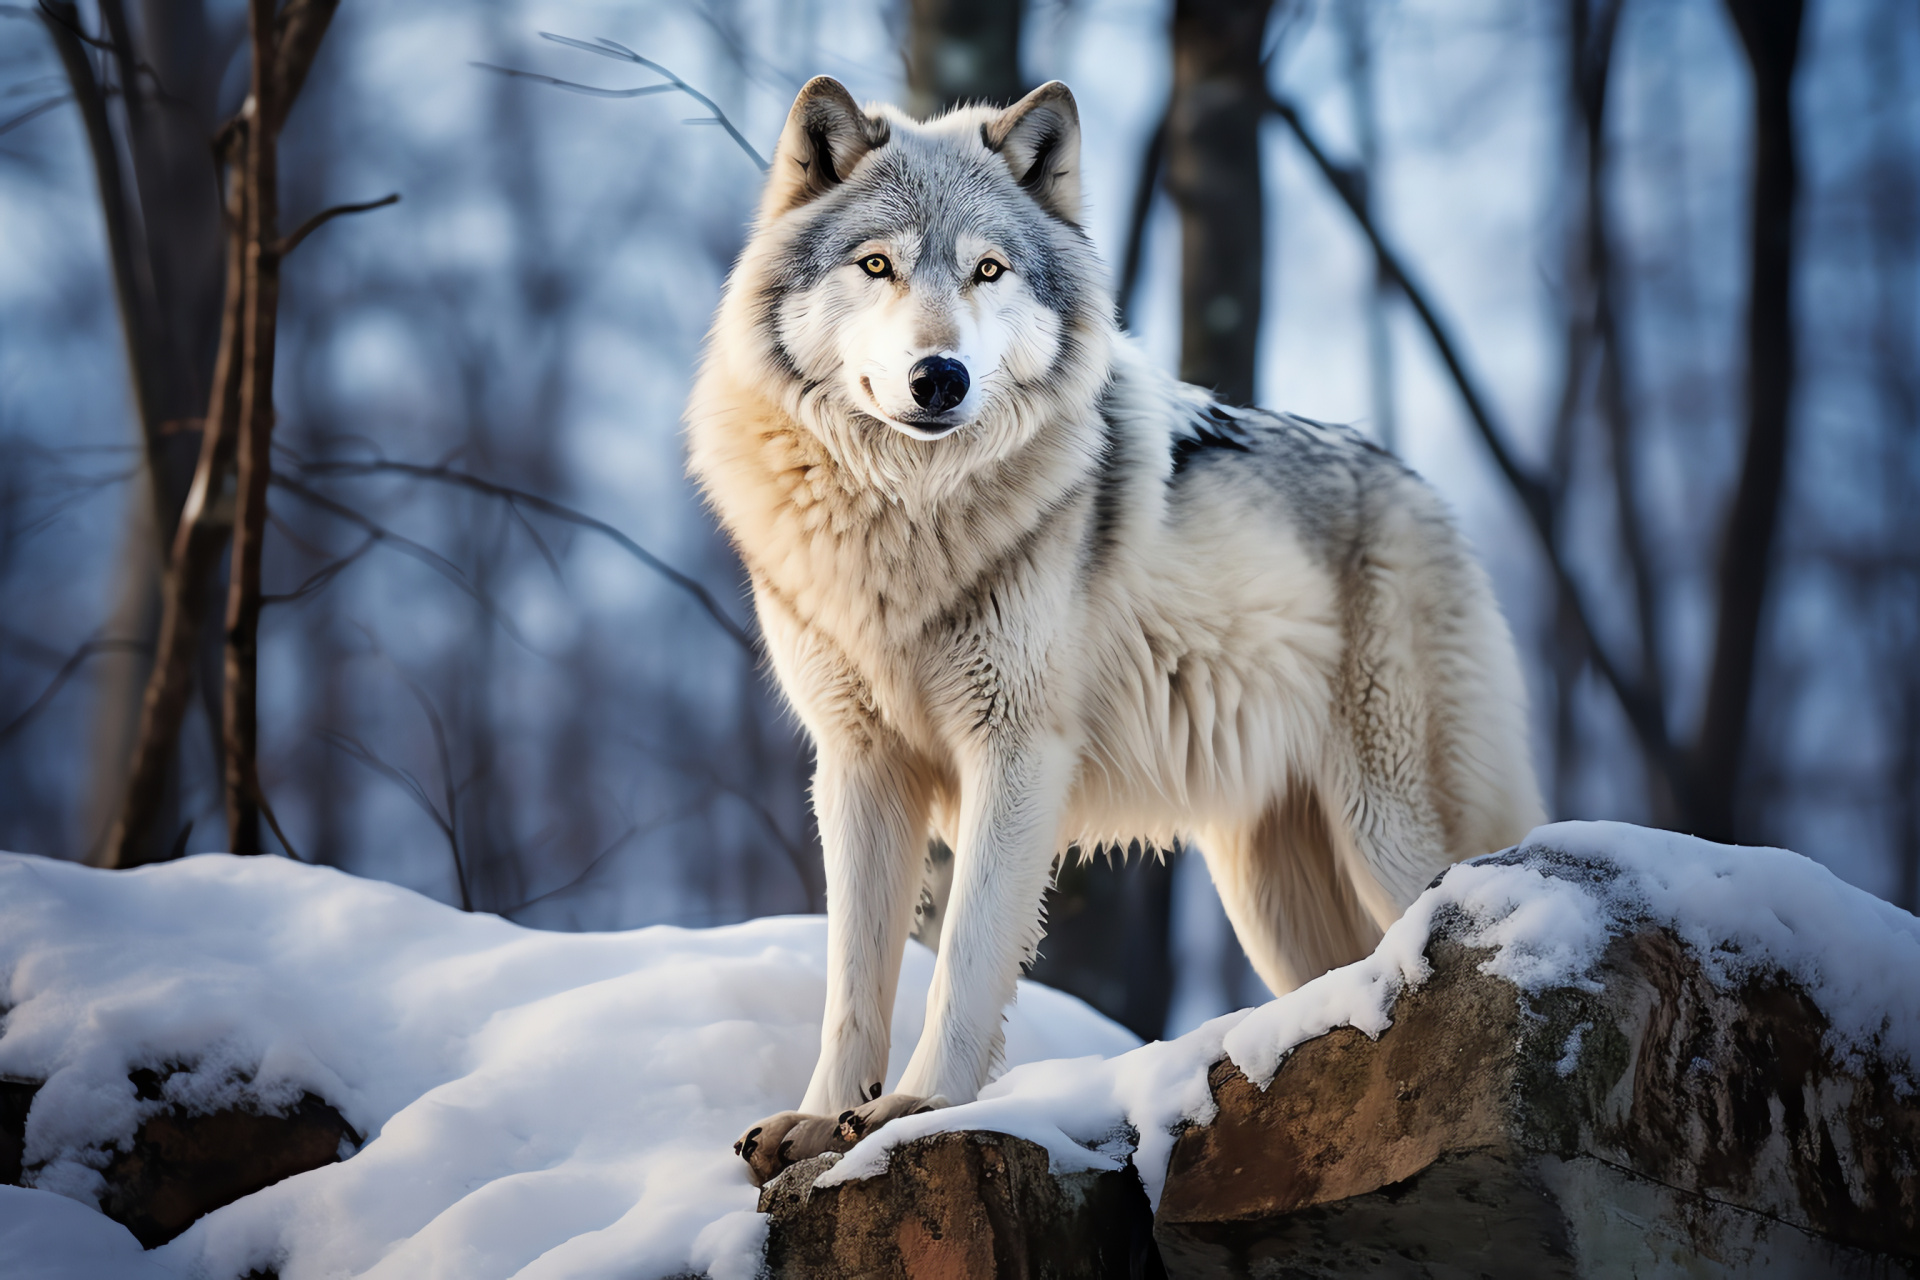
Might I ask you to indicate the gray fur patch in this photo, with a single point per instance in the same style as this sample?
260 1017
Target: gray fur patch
1323 474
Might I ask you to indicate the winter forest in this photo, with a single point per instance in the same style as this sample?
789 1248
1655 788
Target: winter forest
344 516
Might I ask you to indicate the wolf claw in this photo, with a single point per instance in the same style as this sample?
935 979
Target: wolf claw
778 1141
857 1123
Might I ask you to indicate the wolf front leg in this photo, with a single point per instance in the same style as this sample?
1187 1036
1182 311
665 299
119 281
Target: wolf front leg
1010 805
872 809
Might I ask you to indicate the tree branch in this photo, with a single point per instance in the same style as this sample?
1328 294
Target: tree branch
71 41
289 243
1647 717
297 33
67 669
406 546
35 112
613 49
548 507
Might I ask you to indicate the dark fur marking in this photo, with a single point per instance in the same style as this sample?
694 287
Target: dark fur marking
1042 155
1218 431
822 155
1104 529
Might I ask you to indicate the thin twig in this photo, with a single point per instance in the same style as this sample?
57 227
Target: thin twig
65 673
795 856
273 822
1536 498
574 86
73 27
632 830
450 793
320 219
357 750
613 49
323 577
35 112
407 546
547 507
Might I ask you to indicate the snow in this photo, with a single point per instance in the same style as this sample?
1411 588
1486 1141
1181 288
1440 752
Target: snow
561 1105
536 1104
48 1237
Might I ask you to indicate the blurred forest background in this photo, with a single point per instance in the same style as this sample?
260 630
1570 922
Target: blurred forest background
1635 283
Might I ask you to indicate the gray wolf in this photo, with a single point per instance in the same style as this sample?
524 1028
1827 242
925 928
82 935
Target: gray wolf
1030 594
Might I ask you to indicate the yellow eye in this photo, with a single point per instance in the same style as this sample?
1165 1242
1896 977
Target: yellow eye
876 265
989 269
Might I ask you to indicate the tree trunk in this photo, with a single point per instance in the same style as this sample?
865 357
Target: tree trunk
961 51
1213 174
205 522
1109 923
253 458
160 207
1770 32
240 406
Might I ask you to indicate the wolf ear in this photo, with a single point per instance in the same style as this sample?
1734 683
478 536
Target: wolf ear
1039 137
825 137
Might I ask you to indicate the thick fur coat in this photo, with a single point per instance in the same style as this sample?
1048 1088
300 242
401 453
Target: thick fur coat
1028 593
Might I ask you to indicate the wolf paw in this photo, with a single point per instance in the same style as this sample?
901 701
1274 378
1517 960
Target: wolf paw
863 1120
778 1141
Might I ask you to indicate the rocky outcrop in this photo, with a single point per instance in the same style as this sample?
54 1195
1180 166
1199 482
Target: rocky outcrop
1674 1104
1659 1125
961 1205
182 1164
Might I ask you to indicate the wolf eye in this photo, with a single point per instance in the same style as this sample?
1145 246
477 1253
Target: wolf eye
989 269
877 265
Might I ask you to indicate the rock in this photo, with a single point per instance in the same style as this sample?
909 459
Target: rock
960 1205
182 1165
16 1098
1659 1125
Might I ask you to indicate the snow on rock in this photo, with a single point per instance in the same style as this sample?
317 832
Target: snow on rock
534 1104
1744 912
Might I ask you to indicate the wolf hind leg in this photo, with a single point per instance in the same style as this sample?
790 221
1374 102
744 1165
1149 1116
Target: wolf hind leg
1287 891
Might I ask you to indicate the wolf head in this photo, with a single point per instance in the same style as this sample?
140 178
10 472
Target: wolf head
920 295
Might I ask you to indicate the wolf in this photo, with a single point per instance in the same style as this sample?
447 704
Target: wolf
1031 595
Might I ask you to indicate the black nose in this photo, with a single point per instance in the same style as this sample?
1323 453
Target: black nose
938 383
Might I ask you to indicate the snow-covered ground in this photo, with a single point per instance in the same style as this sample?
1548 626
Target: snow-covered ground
537 1104
549 1105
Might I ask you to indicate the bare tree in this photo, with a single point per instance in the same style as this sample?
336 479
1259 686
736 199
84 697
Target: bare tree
235 449
1701 776
146 99
1109 917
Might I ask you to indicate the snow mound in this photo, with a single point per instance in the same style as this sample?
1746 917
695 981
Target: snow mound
534 1104
1545 911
